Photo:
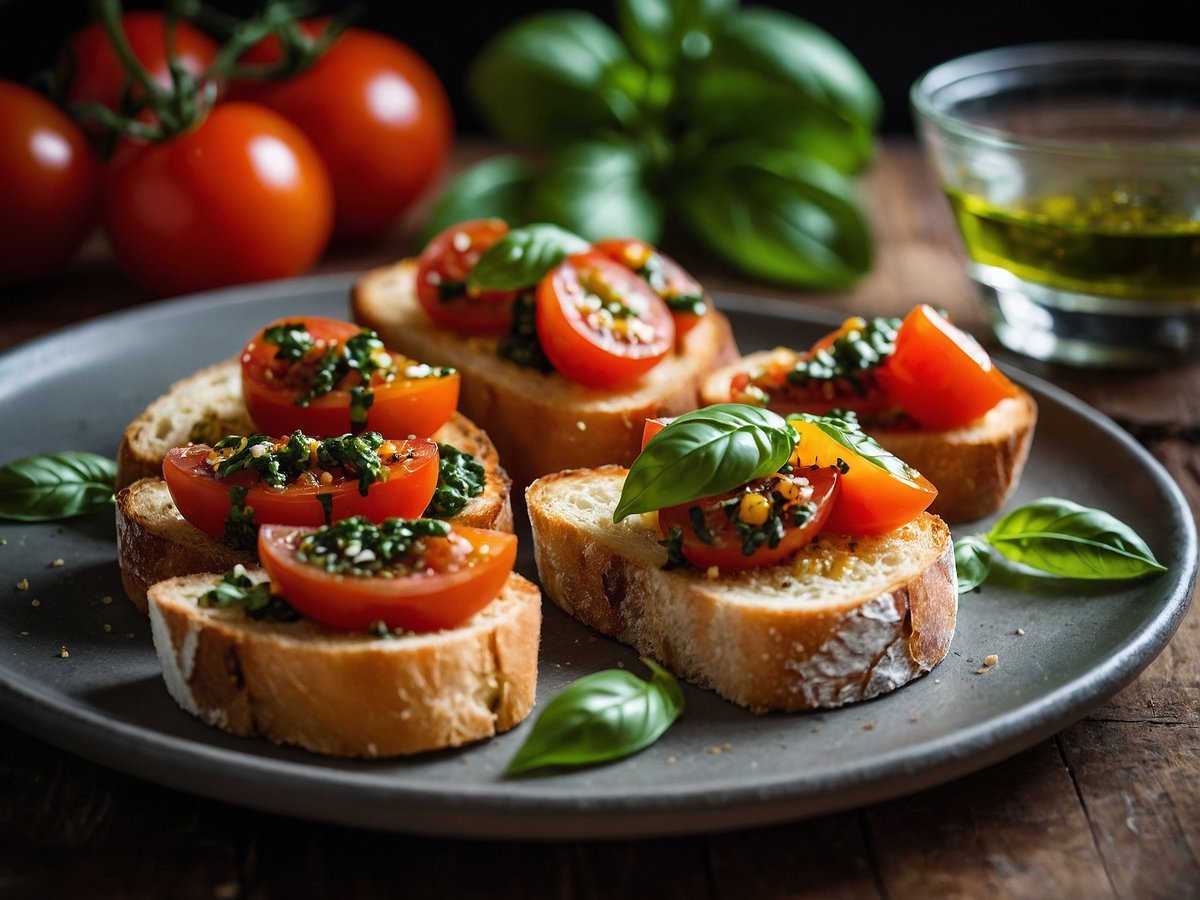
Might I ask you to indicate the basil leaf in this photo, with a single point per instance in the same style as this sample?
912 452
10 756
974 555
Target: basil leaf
600 190
777 216
604 716
494 188
705 452
56 486
520 258
845 430
788 51
658 32
972 561
543 81
1063 538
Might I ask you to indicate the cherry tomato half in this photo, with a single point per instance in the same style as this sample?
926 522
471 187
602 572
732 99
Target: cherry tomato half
401 406
600 324
939 374
799 504
463 574
376 113
96 73
48 179
682 293
204 500
653 427
241 197
872 500
442 271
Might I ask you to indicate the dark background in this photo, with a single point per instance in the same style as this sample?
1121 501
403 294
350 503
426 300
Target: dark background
895 41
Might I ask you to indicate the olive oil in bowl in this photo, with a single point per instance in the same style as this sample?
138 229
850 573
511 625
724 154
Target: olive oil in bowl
1119 241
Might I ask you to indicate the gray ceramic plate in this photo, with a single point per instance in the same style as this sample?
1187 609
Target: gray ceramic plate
718 768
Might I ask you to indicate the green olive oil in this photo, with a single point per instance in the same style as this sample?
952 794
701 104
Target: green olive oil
1110 243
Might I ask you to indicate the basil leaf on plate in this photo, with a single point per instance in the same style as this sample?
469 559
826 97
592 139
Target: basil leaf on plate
844 430
600 190
495 188
1064 538
777 216
543 81
973 562
658 32
56 486
520 258
604 716
705 452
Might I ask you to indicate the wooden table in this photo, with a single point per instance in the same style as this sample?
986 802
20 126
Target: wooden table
1108 807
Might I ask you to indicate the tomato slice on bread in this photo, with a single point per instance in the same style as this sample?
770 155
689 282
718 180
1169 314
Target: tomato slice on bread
599 323
680 291
328 377
442 271
939 375
878 494
758 524
418 575
409 473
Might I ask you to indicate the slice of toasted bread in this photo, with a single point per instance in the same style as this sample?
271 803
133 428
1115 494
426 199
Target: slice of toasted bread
541 422
348 693
846 619
975 468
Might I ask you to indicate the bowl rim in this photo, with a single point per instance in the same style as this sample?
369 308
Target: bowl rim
1025 56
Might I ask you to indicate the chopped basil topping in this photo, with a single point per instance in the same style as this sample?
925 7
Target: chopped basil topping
652 273
357 454
358 547
280 464
674 545
686 303
236 589
461 477
292 339
240 530
854 352
326 501
521 345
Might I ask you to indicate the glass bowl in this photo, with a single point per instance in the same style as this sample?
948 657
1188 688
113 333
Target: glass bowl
1073 170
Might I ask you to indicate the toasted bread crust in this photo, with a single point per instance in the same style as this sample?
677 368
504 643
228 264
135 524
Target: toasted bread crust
975 468
349 694
744 635
541 422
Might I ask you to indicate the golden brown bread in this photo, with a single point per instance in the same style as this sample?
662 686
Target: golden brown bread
540 422
846 619
975 468
348 693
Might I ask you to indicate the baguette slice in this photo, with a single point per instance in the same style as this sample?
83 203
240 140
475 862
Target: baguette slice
540 421
975 468
846 619
348 693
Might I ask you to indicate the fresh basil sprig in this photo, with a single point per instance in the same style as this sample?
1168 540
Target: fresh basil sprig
742 125
520 258
1059 537
604 716
705 452
56 486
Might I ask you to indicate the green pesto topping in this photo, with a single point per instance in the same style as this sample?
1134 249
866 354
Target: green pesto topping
674 545
280 464
326 501
237 590
850 355
652 273
521 345
461 477
292 339
358 547
241 532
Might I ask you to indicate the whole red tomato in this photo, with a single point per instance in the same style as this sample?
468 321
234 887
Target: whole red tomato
96 74
378 116
48 179
241 197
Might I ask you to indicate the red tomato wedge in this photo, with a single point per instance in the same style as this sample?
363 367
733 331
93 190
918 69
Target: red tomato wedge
402 406
873 499
653 427
599 324
939 374
811 493
452 579
682 293
442 271
204 500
